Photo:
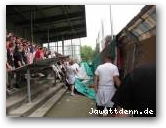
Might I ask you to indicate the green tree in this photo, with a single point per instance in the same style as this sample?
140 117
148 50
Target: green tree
87 53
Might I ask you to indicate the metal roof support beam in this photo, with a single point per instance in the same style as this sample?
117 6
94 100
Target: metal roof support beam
51 19
20 14
31 25
130 34
62 45
48 40
37 8
71 48
23 16
57 46
68 20
66 36
10 14
60 29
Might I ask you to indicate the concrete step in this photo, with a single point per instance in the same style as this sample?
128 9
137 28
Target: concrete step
27 108
37 82
43 110
19 98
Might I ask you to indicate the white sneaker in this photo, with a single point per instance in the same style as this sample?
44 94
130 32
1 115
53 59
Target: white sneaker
41 74
8 91
72 94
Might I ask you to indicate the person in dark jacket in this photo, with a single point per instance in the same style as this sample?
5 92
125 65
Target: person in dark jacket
137 94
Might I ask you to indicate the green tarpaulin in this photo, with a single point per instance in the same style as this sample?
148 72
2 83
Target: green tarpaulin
82 88
83 85
80 84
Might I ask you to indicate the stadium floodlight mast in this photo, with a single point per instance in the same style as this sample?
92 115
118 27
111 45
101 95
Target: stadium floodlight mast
111 22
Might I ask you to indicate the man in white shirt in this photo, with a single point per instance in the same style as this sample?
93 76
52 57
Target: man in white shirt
105 76
70 71
76 66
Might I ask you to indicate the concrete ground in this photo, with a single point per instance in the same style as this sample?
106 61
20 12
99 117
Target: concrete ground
72 106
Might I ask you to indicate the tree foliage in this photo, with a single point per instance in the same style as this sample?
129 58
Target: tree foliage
87 53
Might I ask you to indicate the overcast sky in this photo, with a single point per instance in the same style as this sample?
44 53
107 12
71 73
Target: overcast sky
95 14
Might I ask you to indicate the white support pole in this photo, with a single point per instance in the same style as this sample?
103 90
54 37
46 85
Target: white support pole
72 48
48 39
111 22
62 45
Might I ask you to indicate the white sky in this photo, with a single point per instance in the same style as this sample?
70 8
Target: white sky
121 15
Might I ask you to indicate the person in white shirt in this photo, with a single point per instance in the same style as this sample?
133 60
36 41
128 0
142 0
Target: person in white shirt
76 66
70 72
105 76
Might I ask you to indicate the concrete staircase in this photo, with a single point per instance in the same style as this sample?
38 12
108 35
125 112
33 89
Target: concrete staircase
45 93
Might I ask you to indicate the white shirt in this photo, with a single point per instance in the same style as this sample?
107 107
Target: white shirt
106 72
76 67
106 88
70 71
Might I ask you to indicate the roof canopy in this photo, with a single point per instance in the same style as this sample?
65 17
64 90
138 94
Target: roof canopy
141 27
57 22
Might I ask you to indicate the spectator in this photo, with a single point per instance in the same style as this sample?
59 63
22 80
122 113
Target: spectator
32 50
138 92
20 52
10 52
18 62
39 54
29 55
49 54
8 85
18 59
9 64
45 52
24 54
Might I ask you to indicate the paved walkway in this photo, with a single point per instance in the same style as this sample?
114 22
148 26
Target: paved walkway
72 106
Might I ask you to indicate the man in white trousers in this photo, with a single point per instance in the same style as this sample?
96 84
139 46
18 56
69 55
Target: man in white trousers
106 76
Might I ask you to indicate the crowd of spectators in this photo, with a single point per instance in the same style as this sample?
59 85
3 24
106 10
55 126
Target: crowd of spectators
21 52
